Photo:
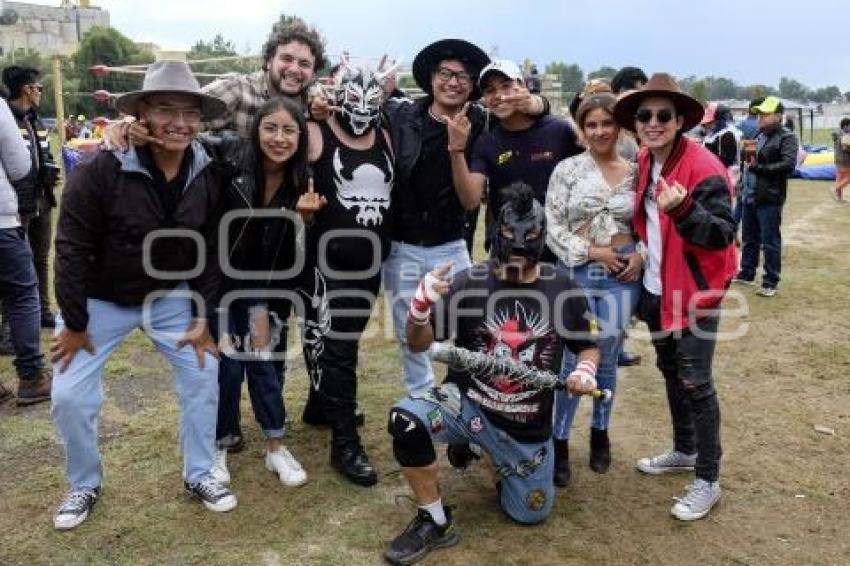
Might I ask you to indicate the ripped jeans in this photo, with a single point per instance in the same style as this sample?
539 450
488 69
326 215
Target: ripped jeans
684 359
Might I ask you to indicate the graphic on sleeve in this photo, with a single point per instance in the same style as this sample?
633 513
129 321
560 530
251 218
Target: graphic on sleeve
520 334
366 189
316 325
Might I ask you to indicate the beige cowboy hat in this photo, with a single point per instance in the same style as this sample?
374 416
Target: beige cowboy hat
659 85
170 77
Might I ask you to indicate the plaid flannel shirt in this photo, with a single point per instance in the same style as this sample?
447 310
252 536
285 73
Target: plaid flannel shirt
243 95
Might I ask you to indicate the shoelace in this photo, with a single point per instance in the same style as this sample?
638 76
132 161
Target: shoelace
211 489
75 502
693 492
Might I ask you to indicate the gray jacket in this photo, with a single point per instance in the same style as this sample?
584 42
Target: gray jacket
15 158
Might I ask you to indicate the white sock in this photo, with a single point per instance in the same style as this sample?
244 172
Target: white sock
437 512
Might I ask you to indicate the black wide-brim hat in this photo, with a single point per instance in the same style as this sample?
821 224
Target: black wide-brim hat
472 57
659 85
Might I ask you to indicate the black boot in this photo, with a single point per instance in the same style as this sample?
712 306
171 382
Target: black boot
600 451
349 459
562 463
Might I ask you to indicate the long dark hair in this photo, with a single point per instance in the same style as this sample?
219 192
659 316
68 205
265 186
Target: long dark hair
295 170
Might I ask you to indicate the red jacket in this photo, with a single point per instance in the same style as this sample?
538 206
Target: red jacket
698 258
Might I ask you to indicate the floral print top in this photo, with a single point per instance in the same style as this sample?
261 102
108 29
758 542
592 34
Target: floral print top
580 200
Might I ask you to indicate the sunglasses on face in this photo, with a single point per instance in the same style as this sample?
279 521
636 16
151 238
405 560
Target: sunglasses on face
644 115
39 88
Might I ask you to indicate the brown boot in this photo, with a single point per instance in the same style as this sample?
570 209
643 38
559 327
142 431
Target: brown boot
32 391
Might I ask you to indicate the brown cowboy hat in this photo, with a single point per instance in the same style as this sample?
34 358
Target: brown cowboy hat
659 85
170 77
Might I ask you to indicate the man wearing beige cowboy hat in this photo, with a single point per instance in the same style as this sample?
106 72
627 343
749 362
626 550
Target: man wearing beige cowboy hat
683 214
136 247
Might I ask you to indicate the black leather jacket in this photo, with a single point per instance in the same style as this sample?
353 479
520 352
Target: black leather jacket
441 212
255 243
35 191
775 162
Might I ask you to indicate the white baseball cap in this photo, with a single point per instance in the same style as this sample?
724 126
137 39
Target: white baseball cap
504 67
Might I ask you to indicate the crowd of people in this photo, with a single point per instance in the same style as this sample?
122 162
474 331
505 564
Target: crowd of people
212 216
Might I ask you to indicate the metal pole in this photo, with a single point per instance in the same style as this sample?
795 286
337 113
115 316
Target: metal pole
59 101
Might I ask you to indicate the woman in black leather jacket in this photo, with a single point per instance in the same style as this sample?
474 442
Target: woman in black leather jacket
266 201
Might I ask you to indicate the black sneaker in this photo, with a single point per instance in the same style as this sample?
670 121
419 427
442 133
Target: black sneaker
742 279
214 495
420 537
75 508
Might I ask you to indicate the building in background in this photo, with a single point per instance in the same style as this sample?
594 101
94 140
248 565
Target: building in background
46 29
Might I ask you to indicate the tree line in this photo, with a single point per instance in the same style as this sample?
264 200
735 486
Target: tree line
572 80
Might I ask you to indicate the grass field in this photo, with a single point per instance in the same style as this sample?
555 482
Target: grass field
786 490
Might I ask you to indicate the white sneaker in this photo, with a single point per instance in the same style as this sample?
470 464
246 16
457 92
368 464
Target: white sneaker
219 471
670 461
698 501
284 464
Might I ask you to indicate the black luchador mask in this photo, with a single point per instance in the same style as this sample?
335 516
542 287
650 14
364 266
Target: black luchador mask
521 227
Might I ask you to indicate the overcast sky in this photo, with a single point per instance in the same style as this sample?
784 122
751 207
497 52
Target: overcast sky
751 41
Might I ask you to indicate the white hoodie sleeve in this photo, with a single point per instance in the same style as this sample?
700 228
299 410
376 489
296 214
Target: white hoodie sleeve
14 154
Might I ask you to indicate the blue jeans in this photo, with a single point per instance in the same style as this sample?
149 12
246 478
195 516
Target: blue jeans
525 469
612 302
265 379
404 268
761 232
19 291
78 392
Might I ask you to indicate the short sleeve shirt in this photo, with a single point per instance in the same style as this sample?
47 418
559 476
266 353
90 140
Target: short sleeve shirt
528 323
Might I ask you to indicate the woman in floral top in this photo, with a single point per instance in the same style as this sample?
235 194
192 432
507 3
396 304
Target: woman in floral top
589 206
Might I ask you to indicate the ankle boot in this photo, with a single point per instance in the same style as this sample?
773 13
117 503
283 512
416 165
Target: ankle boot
562 463
349 459
600 451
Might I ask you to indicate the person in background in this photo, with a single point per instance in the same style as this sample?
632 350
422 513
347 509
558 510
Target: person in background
36 198
18 283
841 140
722 138
770 166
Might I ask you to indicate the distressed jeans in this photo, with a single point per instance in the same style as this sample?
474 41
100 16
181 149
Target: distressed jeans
685 359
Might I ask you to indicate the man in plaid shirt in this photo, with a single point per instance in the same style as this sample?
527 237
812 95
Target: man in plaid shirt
292 55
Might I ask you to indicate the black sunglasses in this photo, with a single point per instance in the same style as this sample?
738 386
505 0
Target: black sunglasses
644 115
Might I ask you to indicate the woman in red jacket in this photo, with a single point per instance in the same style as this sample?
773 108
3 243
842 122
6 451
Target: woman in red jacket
683 214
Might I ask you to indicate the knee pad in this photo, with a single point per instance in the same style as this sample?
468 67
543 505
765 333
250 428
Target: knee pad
412 445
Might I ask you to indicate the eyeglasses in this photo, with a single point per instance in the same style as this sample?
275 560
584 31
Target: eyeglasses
644 115
445 75
39 88
170 113
288 131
